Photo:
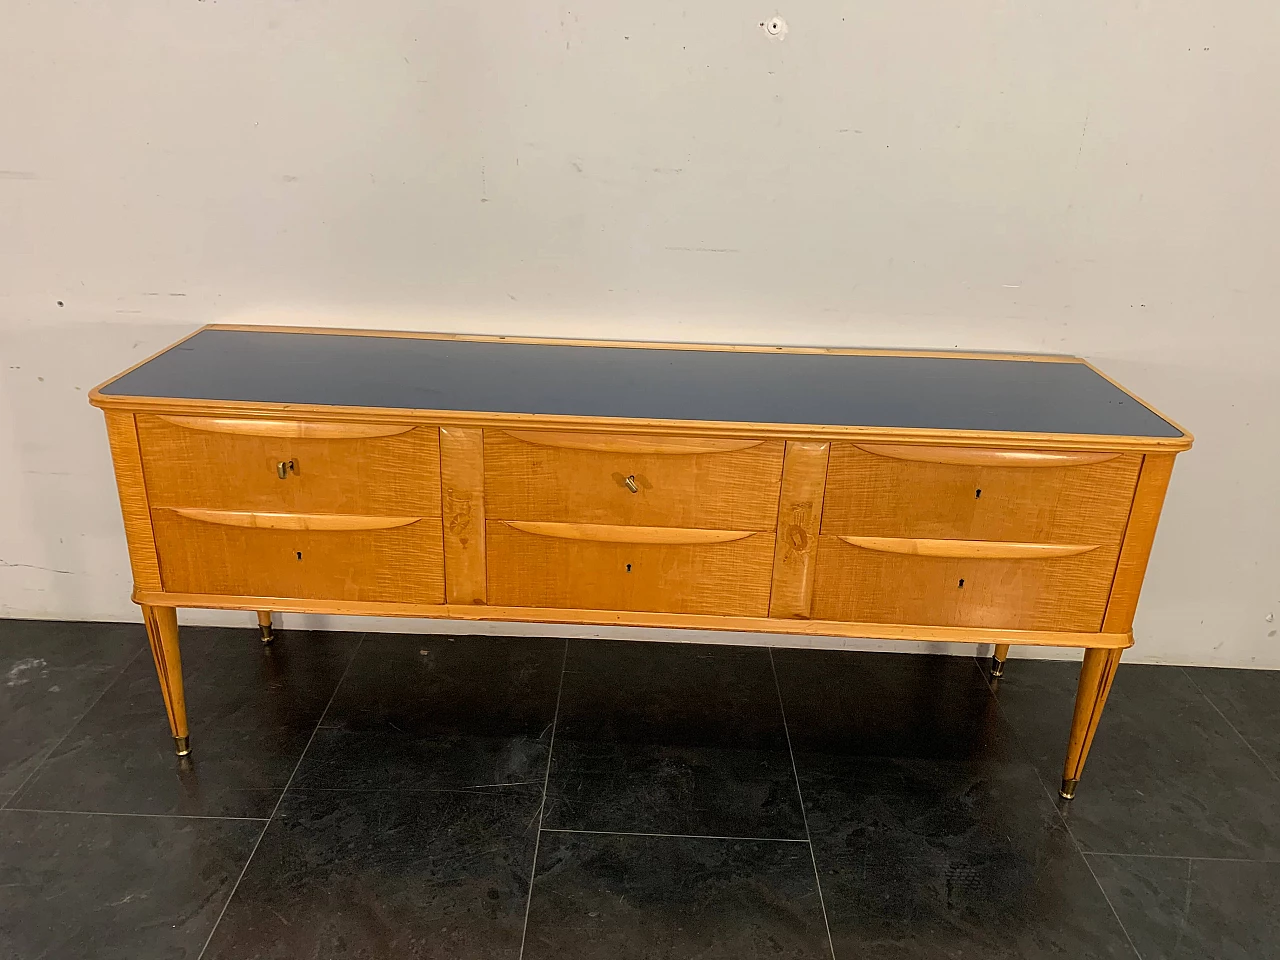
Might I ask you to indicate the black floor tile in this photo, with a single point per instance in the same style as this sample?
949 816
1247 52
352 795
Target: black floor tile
958 859
1250 700
432 712
251 713
394 874
845 703
1166 774
652 898
107 887
674 739
1178 909
51 672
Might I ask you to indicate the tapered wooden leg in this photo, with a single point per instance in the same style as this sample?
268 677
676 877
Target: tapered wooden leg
264 624
1096 674
998 657
162 631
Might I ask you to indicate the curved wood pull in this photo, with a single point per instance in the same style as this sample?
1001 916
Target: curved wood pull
626 443
608 533
986 456
296 429
969 549
292 521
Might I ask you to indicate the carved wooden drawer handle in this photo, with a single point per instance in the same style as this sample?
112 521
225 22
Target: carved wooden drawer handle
622 443
292 521
969 549
985 456
296 429
609 533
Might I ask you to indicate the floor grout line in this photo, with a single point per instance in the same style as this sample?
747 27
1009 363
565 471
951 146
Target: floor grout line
542 807
245 869
1175 856
673 836
1208 699
75 723
153 816
804 816
1105 896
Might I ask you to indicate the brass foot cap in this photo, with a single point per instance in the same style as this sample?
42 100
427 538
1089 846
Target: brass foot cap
997 668
1068 790
267 634
182 746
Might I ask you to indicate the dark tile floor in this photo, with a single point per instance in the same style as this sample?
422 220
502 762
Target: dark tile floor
426 797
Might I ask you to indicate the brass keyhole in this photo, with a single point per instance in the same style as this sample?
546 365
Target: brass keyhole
286 467
631 484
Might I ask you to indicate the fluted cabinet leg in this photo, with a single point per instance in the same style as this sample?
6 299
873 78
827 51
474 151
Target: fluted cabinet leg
1096 674
162 631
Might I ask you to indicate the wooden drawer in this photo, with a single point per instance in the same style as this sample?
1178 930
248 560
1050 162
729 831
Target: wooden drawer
306 557
899 490
659 569
954 583
226 464
704 483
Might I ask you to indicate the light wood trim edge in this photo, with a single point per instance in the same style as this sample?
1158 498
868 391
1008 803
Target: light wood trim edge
969 549
616 533
1139 536
985 456
795 552
633 443
131 485
290 521
621 425
307 429
761 625
462 505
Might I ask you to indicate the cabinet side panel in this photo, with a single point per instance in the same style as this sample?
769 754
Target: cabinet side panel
804 475
122 433
462 500
1139 535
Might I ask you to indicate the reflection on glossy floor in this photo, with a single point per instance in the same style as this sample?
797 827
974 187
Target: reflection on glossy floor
407 796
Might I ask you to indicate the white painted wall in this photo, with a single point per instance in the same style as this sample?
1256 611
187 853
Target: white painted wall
1097 178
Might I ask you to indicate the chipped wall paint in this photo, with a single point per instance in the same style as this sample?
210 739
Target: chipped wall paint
1090 178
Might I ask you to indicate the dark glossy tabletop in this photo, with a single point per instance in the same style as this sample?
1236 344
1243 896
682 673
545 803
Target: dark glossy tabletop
952 393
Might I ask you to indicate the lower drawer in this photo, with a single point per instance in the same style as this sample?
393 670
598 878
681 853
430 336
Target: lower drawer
300 556
657 569
933 583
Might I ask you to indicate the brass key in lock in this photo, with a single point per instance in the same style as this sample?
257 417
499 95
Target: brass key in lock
285 467
630 483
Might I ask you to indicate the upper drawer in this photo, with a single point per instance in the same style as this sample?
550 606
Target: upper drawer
709 483
358 468
967 493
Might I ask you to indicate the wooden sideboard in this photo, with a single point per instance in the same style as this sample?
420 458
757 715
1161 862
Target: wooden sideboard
804 495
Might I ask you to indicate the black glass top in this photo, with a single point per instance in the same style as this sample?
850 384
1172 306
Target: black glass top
350 370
